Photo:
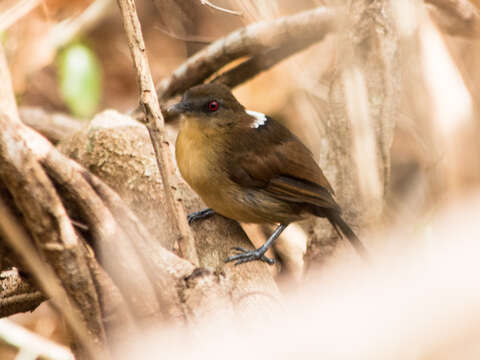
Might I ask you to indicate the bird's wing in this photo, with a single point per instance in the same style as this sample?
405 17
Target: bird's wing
274 160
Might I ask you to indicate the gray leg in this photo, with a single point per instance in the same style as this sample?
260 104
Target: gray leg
257 254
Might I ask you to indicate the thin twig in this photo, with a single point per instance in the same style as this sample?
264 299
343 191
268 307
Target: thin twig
187 38
218 8
155 124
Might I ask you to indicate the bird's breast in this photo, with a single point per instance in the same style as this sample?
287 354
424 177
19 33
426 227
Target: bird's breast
193 157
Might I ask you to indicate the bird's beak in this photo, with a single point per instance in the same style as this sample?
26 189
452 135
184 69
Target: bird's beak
176 109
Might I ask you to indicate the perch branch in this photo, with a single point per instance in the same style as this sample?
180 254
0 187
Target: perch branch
155 124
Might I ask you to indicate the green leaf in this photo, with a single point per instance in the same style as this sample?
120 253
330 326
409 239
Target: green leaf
80 79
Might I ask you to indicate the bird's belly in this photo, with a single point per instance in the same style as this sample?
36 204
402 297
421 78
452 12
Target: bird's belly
252 206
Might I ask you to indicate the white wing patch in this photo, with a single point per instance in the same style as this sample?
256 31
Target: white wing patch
260 119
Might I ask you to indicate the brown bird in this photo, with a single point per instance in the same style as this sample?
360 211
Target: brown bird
250 168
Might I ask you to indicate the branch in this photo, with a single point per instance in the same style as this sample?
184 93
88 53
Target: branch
155 124
306 27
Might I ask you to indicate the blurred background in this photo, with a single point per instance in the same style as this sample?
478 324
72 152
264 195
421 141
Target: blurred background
72 57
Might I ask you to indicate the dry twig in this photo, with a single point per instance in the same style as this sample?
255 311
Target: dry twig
155 124
221 9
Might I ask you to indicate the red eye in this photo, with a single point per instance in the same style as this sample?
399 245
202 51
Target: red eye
213 106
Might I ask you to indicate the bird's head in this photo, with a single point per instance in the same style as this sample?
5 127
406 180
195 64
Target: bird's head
212 105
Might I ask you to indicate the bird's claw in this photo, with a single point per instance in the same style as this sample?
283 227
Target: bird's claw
248 255
191 218
198 215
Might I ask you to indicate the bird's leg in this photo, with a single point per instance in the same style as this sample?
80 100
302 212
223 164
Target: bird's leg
257 254
198 215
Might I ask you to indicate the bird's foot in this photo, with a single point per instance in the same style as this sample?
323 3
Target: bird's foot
198 215
249 255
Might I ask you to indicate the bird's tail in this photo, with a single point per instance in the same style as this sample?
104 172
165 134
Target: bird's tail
341 227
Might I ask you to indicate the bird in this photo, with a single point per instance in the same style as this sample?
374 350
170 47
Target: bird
246 166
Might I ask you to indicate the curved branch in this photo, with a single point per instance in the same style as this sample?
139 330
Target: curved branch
306 27
262 62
